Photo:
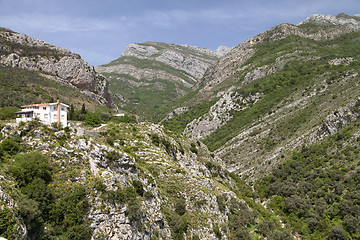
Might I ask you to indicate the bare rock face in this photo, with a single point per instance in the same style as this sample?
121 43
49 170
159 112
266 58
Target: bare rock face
32 54
190 59
219 113
341 117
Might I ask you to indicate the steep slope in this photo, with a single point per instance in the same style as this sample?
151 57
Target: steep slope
59 64
133 181
289 86
150 75
316 190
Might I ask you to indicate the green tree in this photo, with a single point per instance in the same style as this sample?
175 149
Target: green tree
71 112
27 167
8 146
92 119
83 110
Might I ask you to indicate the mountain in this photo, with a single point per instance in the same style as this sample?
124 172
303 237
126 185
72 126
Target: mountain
271 152
51 65
150 75
284 88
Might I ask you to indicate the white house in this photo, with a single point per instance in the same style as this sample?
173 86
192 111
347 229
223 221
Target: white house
47 113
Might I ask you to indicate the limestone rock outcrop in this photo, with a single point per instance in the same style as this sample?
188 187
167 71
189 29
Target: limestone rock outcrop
22 51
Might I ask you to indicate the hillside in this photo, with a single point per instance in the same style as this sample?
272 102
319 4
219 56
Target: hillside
35 70
286 87
316 190
148 77
133 181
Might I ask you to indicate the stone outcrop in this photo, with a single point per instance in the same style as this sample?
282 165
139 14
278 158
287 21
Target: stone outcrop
32 54
219 113
342 117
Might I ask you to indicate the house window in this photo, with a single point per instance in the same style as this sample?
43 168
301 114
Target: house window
62 117
46 116
62 109
55 115
44 108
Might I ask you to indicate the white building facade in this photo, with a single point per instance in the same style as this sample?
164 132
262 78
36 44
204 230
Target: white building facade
47 113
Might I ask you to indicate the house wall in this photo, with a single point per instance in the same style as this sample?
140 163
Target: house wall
47 114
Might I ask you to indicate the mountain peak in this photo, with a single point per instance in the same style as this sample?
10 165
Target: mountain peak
341 19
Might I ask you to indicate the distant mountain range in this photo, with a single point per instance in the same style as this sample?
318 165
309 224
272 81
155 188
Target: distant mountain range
148 77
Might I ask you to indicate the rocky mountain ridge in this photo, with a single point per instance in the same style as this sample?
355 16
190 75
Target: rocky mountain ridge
21 51
232 62
341 19
170 70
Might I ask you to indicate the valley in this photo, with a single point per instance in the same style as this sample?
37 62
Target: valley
259 141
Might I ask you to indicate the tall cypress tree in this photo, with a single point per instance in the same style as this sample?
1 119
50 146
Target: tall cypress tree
71 112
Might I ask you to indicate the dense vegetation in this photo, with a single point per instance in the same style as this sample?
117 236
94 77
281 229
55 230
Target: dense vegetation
47 212
317 190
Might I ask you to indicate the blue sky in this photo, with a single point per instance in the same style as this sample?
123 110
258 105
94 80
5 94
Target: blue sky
99 30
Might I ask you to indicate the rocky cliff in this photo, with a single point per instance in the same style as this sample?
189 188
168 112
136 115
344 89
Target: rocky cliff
21 51
169 70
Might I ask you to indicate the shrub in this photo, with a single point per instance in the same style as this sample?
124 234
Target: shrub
155 139
70 210
216 230
8 226
126 119
110 141
99 185
138 187
180 206
221 203
92 119
193 148
133 211
337 233
8 146
30 212
28 167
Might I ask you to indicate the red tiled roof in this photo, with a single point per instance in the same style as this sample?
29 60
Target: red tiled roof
35 105
42 104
